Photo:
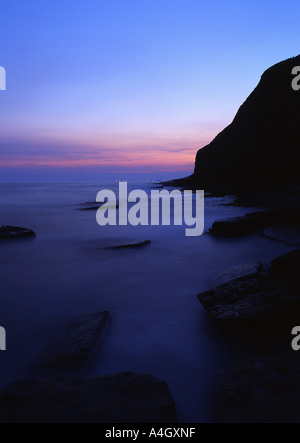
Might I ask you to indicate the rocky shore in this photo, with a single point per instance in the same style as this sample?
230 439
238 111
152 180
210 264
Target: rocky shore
255 159
256 299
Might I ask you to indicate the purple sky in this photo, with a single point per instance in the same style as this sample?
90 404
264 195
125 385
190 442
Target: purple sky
115 88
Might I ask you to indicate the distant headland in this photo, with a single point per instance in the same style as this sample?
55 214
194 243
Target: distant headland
262 144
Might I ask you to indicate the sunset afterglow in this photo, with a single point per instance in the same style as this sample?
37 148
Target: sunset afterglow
136 86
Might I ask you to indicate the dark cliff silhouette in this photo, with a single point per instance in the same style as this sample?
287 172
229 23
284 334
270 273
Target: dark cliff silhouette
262 144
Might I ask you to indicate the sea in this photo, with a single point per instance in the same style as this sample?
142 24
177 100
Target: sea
158 325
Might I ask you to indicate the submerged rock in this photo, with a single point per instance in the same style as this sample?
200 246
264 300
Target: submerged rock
76 342
285 234
122 398
127 244
261 391
94 206
13 233
90 208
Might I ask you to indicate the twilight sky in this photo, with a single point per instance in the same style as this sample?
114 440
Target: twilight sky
100 89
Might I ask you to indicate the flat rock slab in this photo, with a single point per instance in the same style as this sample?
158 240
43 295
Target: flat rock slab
14 233
236 226
255 291
248 270
122 398
261 391
247 298
76 342
286 234
255 222
126 244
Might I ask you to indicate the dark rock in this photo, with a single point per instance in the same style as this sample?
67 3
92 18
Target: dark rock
262 144
267 196
94 206
13 233
257 296
261 391
251 269
127 244
285 234
246 299
122 398
76 342
288 266
236 226
254 222
90 208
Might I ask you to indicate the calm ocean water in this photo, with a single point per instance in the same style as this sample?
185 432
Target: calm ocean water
158 328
